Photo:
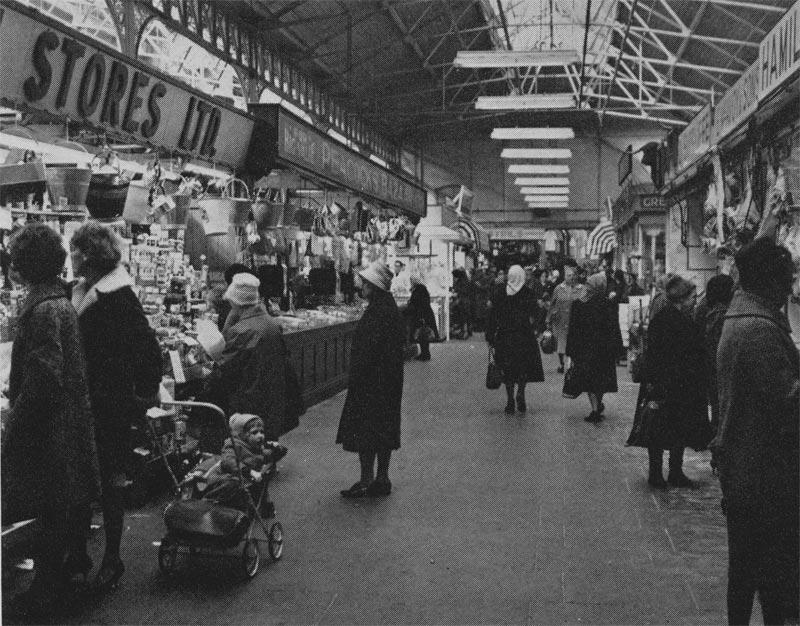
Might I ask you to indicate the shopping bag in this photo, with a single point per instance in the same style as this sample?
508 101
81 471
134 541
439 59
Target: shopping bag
572 382
424 334
651 424
548 342
494 375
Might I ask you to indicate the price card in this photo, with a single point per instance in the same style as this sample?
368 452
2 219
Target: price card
177 367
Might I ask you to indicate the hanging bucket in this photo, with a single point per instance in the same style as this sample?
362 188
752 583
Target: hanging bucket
107 194
68 186
268 208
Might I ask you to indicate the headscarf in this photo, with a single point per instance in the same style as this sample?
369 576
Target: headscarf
416 278
596 286
516 280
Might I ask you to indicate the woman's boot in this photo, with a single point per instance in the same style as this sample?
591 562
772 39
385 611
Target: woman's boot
655 476
676 477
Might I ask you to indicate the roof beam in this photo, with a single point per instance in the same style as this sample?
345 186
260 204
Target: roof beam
675 33
406 33
761 5
698 17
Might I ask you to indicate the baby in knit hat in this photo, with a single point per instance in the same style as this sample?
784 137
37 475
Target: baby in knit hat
256 455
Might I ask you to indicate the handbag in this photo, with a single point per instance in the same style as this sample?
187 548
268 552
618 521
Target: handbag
548 342
494 375
573 386
651 424
424 334
638 368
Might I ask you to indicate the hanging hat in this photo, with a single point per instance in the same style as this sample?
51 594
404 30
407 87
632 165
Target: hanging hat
239 422
243 290
516 280
378 274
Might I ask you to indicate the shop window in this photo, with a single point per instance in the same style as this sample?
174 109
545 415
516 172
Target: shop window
90 17
178 56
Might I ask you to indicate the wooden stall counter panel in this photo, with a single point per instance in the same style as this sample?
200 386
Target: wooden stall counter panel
321 359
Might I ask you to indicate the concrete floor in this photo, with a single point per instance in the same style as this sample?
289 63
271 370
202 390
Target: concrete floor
535 519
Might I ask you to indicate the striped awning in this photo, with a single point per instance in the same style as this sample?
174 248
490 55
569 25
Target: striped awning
602 240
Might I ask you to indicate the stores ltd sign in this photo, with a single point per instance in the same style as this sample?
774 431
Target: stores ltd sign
43 66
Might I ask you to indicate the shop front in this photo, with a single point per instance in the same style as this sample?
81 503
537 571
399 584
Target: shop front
640 220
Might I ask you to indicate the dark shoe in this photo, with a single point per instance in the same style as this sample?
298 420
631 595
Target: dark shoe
76 570
107 578
359 490
521 406
379 488
679 479
423 357
510 407
593 418
656 480
601 409
560 369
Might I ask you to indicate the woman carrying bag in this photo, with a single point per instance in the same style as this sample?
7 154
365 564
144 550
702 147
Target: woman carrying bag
421 319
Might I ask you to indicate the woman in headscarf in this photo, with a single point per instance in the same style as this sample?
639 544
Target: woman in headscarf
594 342
511 334
420 316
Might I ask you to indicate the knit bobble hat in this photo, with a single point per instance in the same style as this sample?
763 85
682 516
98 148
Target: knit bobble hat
243 290
240 422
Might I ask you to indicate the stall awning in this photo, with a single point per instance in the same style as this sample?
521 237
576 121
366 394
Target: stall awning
441 233
473 231
602 240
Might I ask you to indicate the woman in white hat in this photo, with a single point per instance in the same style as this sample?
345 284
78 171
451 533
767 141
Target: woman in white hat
252 366
370 422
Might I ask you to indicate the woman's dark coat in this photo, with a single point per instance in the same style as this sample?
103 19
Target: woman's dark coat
253 370
419 310
676 368
512 333
371 415
594 342
713 322
123 361
49 459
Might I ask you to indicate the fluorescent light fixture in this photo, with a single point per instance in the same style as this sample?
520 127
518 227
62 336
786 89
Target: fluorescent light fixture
544 181
546 199
548 206
537 101
536 153
526 168
509 58
526 191
533 133
532 197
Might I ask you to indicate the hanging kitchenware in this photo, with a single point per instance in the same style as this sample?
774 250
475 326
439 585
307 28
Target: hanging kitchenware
68 184
268 208
108 188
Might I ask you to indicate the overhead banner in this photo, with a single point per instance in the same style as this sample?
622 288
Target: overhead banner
779 52
48 67
737 104
517 234
303 145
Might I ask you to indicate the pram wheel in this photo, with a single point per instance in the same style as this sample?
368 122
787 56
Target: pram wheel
168 556
251 557
276 541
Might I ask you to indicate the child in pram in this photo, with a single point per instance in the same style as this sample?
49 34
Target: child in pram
257 457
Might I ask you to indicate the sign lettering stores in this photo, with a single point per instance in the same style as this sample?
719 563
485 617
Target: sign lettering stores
47 68
306 147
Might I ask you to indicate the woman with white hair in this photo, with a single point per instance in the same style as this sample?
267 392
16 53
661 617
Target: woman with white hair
511 333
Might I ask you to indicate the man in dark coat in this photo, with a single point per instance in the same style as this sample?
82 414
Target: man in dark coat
370 422
758 374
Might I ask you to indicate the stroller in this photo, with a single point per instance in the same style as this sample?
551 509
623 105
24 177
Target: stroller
206 526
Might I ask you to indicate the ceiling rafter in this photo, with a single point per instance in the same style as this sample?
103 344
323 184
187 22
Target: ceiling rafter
689 31
407 37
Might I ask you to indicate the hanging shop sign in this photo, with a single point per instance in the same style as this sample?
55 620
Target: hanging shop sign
306 147
652 202
779 52
47 67
738 103
517 234
695 138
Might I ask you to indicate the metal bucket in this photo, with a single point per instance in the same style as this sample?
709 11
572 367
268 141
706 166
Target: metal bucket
107 194
71 183
268 214
221 251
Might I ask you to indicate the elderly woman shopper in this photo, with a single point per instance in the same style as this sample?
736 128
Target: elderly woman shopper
49 460
370 422
564 294
253 364
676 378
124 370
421 320
594 343
511 333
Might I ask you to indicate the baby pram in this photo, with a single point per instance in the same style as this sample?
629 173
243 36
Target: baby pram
206 526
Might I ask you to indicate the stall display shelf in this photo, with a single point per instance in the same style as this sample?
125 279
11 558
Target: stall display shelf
43 213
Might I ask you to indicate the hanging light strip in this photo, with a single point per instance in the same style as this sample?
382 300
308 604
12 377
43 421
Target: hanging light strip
544 181
537 101
536 153
533 133
544 191
525 191
546 199
526 168
509 58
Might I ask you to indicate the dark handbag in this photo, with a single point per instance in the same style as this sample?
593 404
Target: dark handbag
573 386
205 519
638 368
424 334
651 424
494 375
548 342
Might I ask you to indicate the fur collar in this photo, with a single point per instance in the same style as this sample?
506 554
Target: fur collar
116 279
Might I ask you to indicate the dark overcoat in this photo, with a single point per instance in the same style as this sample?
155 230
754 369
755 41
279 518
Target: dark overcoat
49 459
419 310
511 331
594 342
253 368
758 375
123 363
675 363
371 416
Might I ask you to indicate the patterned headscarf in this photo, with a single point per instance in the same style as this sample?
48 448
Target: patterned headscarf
516 280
